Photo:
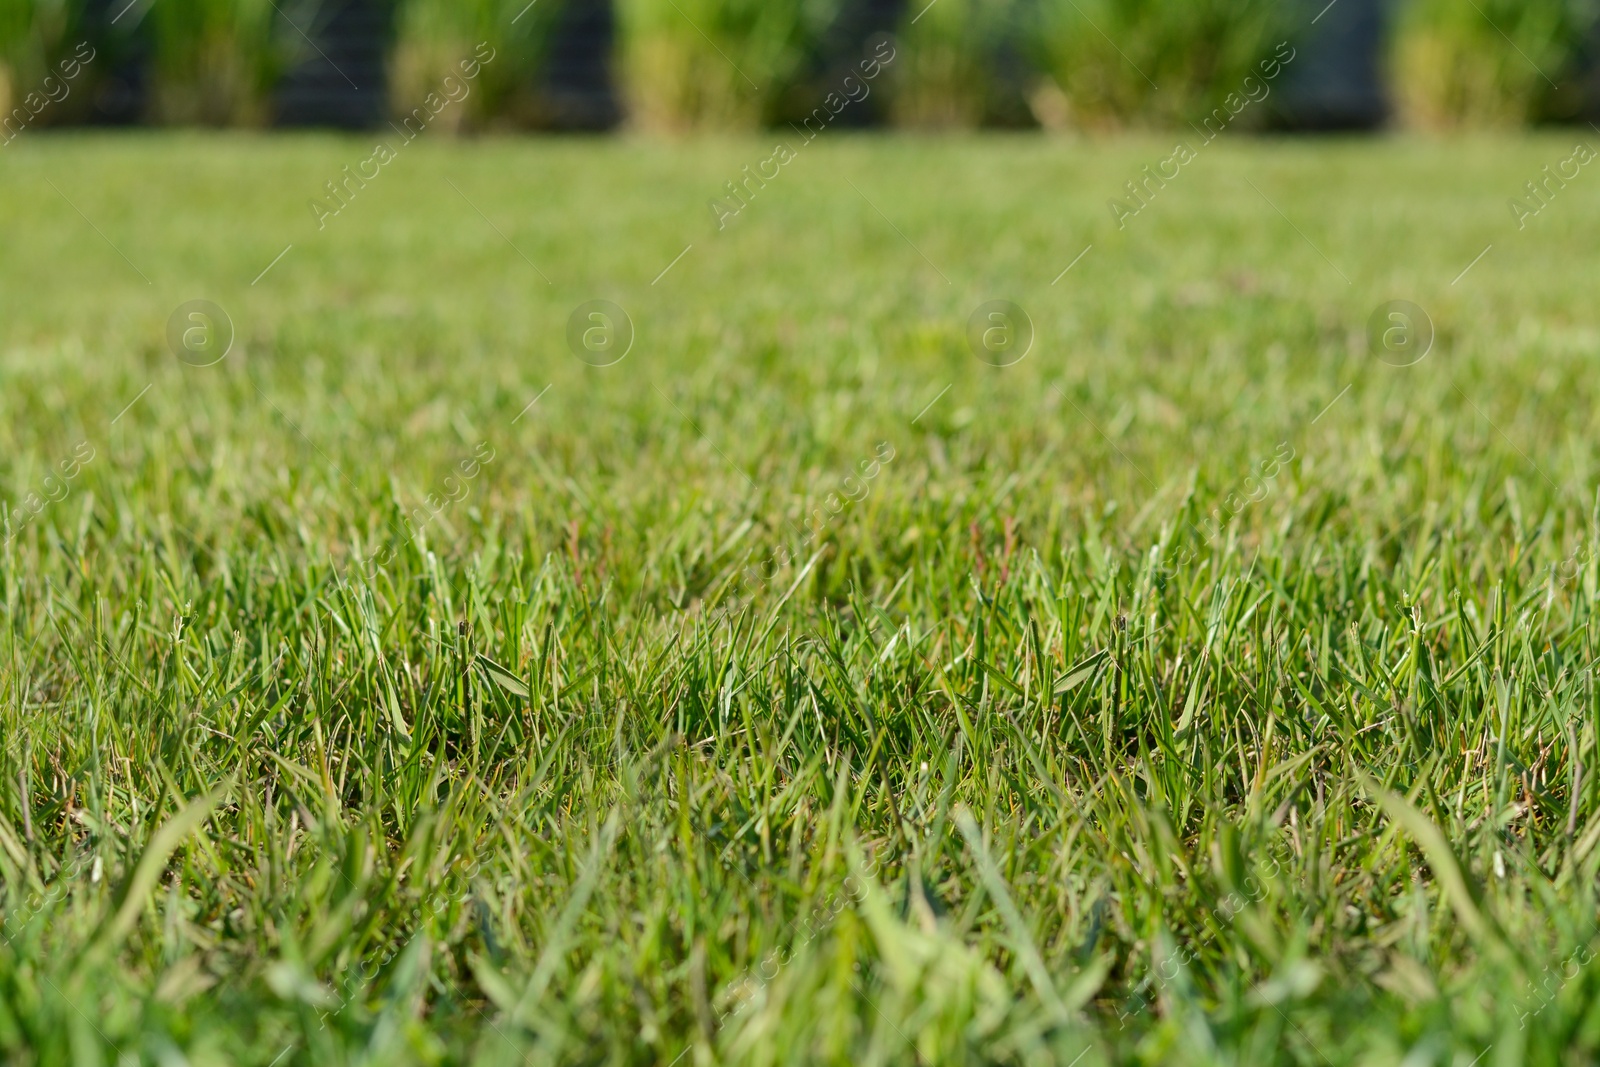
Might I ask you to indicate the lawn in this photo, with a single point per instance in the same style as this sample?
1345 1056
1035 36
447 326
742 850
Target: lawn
412 684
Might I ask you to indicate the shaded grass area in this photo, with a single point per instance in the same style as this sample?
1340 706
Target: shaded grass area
1203 687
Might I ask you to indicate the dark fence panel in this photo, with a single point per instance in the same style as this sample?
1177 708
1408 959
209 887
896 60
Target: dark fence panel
579 91
340 80
119 77
835 56
1336 80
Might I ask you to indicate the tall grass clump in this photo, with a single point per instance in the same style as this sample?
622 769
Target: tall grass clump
1141 62
696 64
216 61
958 64
1494 63
32 33
434 36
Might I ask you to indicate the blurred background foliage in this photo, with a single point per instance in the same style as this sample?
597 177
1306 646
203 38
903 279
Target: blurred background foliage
1493 62
697 64
682 65
956 64
1145 62
216 63
30 33
433 37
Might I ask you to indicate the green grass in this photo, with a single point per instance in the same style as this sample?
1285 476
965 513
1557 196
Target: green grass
1011 764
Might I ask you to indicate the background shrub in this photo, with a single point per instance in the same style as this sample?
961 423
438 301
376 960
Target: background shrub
688 64
958 64
433 36
1488 63
33 35
216 61
1149 62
